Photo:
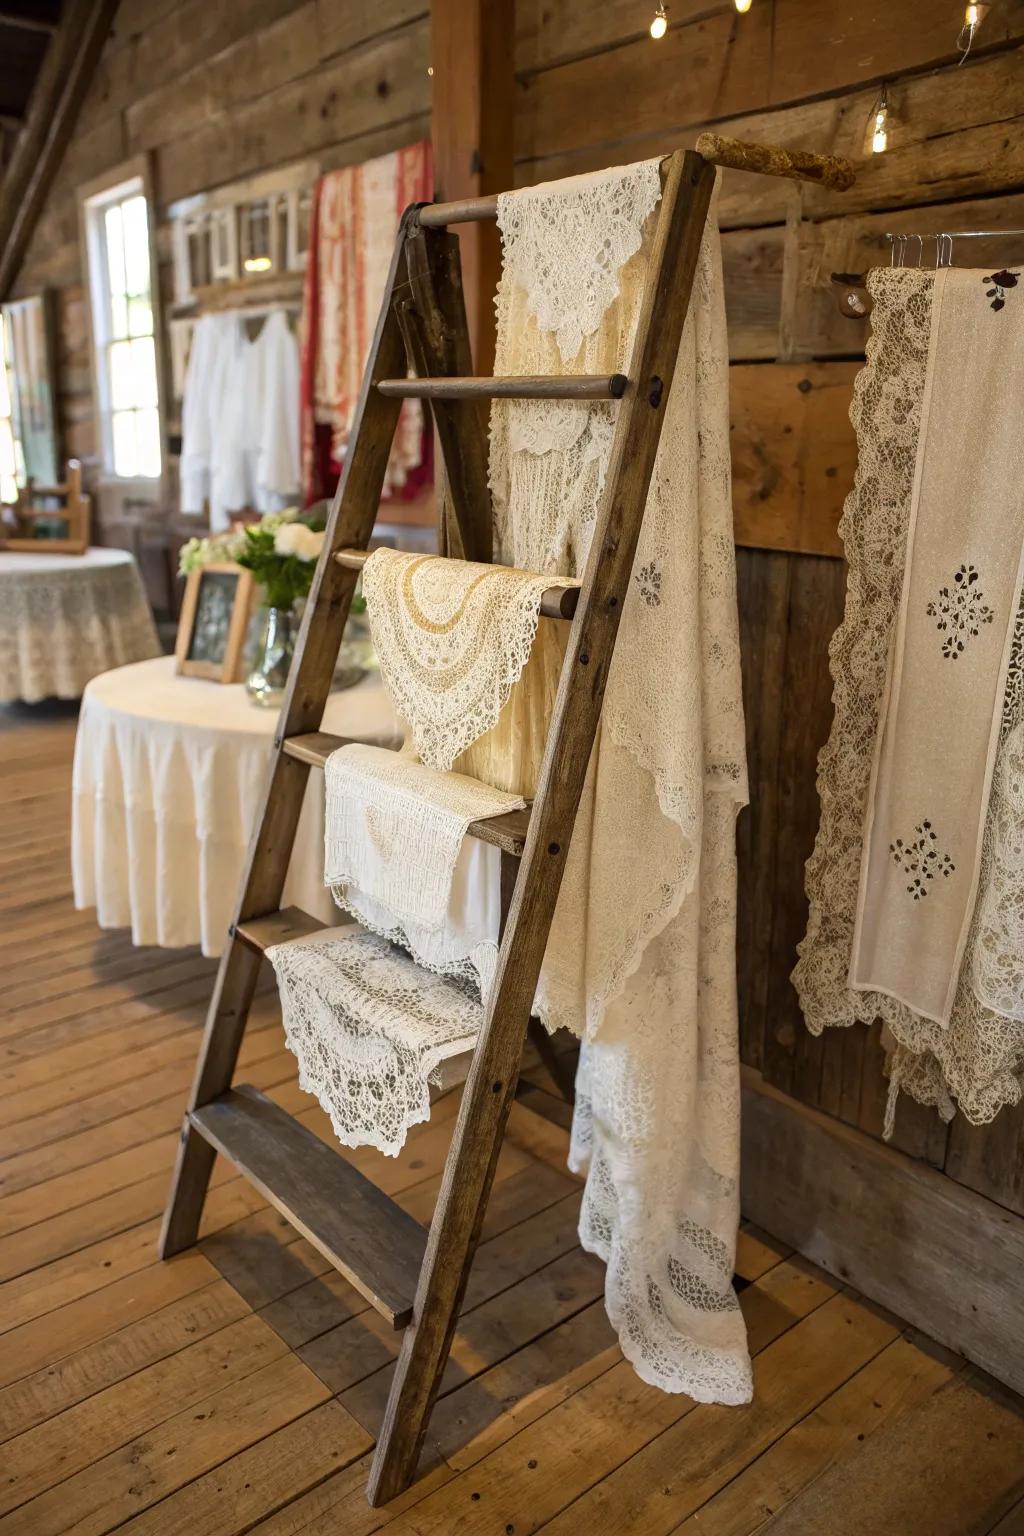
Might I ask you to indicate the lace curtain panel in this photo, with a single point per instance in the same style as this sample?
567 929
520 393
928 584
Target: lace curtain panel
641 961
916 882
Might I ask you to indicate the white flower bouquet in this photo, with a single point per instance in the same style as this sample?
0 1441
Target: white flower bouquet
281 550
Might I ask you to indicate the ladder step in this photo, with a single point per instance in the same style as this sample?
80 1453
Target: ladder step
580 386
276 928
555 603
507 832
376 1245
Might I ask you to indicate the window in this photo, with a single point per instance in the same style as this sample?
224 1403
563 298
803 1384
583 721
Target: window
11 472
119 252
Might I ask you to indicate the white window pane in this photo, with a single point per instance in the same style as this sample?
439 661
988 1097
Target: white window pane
144 372
147 437
114 228
136 245
118 315
140 317
122 377
122 424
5 395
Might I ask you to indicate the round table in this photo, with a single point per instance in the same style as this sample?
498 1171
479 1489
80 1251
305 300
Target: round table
66 618
169 773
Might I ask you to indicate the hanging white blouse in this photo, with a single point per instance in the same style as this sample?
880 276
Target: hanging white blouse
240 418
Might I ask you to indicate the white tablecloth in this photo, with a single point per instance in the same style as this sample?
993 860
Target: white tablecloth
168 777
66 618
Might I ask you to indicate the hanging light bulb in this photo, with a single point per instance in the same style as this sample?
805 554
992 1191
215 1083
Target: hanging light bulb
974 15
743 6
659 25
877 136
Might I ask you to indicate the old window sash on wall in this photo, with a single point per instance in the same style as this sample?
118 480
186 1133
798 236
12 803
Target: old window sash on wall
28 433
119 255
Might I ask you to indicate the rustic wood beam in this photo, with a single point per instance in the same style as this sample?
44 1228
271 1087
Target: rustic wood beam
473 52
26 23
60 88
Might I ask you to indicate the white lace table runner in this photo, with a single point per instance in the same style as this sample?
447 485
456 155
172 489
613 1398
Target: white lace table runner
452 638
942 707
394 828
370 1030
974 1062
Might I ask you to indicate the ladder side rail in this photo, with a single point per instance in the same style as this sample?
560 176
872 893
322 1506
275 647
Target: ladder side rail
350 523
492 1078
433 319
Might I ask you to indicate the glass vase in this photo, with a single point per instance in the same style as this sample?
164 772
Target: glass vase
275 647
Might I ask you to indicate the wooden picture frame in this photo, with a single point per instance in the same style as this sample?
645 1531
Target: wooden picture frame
211 629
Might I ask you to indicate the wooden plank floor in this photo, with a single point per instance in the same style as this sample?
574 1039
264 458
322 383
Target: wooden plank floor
237 1388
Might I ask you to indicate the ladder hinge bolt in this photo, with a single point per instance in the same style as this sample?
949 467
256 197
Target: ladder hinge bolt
654 394
613 602
584 658
496 1087
554 847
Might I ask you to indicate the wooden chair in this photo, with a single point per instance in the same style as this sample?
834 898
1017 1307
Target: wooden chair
416 1279
74 509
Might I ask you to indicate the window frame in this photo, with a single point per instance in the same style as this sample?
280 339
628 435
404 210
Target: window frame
130 178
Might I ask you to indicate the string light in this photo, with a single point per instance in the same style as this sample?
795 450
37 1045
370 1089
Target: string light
974 15
743 6
877 136
659 25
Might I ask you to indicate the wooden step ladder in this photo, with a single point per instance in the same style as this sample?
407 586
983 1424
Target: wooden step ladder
416 1279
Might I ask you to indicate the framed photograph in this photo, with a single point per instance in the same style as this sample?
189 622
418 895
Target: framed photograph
214 615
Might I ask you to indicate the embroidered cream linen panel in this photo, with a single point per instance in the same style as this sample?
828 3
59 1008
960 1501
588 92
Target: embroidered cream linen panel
974 1058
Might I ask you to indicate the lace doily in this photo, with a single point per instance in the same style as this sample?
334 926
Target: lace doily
370 1030
394 828
452 638
975 1064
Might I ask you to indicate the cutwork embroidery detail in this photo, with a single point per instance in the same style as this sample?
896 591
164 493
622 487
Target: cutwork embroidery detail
648 579
959 612
921 860
1000 281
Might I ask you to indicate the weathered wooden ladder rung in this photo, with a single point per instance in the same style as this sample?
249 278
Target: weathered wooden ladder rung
581 386
376 1245
555 603
415 1278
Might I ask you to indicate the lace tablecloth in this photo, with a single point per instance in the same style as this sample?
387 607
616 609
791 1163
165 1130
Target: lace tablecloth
167 783
66 618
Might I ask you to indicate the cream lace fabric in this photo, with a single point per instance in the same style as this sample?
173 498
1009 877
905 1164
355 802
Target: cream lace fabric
976 1061
394 828
370 1030
395 858
452 638
641 961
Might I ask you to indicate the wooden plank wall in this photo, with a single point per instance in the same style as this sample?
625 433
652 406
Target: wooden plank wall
594 90
216 89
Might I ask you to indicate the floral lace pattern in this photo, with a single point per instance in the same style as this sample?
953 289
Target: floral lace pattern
976 1062
370 1030
452 638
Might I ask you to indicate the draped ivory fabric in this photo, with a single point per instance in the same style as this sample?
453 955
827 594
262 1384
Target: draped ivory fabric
641 961
961 588
370 1030
394 828
397 858
974 1059
453 638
